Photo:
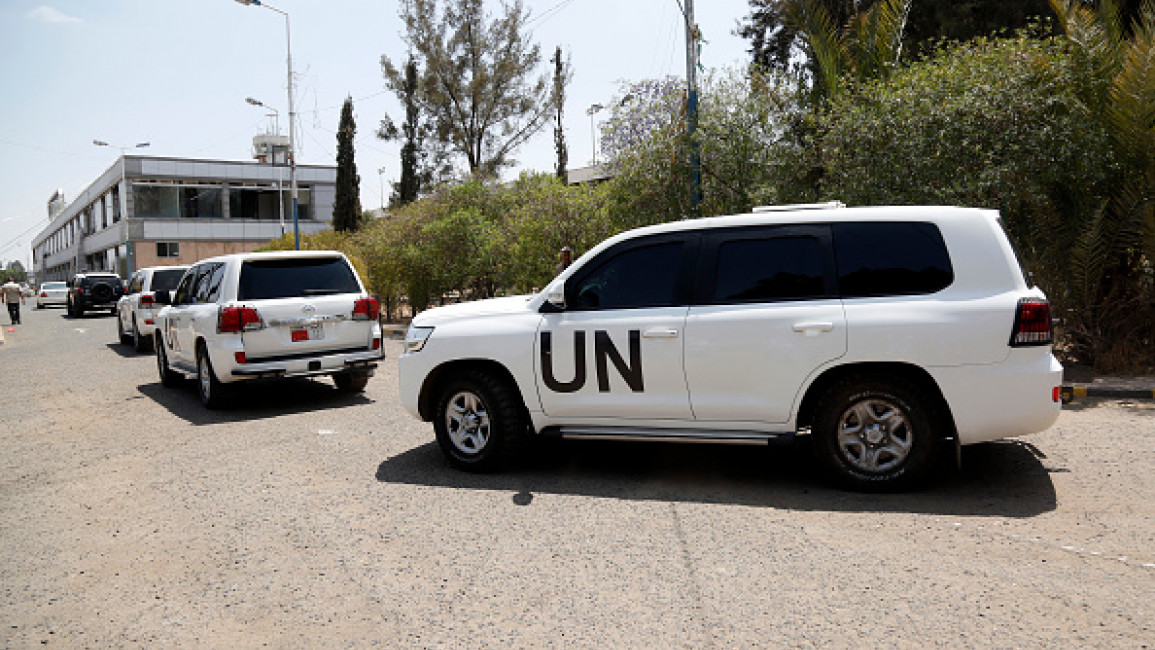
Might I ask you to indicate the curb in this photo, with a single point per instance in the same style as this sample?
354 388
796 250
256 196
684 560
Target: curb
1074 391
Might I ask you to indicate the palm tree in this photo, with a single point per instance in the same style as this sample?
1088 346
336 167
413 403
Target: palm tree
1112 260
866 47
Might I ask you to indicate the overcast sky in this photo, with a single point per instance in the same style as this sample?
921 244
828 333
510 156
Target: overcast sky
175 73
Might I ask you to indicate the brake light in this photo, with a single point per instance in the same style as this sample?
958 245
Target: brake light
43 294
240 358
80 291
1032 323
367 309
238 318
377 343
147 300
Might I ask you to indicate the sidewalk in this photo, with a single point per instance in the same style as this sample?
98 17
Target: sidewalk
1080 381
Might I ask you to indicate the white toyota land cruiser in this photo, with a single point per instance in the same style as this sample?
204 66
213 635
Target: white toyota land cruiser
268 315
884 332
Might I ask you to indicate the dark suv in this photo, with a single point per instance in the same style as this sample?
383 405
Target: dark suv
88 291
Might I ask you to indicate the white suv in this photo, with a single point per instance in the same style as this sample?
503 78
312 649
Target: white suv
268 315
136 309
885 333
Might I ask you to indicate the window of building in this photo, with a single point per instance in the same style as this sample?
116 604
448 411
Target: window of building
200 202
167 249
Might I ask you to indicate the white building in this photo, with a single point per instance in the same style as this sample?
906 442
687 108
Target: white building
177 211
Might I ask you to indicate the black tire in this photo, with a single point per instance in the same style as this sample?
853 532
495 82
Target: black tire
351 382
77 310
125 337
480 422
875 433
168 377
139 343
210 390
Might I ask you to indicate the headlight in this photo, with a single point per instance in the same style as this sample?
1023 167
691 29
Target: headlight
416 337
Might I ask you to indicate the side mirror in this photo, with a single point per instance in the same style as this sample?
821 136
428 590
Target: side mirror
162 297
554 301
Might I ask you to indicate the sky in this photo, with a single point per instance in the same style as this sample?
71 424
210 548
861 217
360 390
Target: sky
175 74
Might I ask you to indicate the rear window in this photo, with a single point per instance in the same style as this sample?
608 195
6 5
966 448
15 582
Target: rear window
295 278
887 259
166 280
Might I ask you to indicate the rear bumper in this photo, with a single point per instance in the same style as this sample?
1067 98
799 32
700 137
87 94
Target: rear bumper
1012 398
321 364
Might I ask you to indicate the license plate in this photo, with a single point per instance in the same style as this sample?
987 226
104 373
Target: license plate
308 333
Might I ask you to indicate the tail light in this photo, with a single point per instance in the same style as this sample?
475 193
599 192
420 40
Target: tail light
238 318
147 300
377 343
80 291
367 309
1032 323
43 294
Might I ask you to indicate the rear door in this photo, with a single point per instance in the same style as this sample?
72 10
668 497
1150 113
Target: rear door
307 305
767 315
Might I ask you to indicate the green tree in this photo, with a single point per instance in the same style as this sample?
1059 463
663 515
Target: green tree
347 202
1112 259
423 159
561 77
478 80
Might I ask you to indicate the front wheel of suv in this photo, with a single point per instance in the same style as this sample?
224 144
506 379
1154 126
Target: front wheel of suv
875 433
480 421
210 390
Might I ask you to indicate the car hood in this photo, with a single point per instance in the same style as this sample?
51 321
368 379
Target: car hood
474 309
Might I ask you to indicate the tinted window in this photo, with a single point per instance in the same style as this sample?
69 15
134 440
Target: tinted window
880 259
166 280
293 278
781 268
208 284
646 276
183 289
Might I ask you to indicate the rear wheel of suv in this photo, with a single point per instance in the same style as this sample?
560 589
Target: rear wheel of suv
349 382
168 378
139 343
210 390
125 337
480 421
875 433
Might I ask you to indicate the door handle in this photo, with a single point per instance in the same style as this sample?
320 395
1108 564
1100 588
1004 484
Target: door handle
813 328
661 333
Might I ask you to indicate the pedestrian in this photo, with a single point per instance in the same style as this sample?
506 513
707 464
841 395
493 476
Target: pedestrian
10 291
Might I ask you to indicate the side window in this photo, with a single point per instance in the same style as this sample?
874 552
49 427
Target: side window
208 283
184 289
641 276
891 258
778 268
135 285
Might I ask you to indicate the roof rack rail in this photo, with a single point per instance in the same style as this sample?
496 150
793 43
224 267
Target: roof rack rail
829 205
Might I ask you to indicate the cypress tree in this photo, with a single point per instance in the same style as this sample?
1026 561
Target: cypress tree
347 203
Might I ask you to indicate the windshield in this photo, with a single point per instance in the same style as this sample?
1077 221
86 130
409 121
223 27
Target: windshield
295 278
54 285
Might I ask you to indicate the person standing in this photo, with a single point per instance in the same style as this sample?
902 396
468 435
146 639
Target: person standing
11 293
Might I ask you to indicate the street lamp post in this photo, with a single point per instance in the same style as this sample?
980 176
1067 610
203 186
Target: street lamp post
128 249
292 118
273 159
594 108
381 182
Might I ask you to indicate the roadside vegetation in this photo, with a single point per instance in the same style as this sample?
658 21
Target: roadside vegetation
1052 124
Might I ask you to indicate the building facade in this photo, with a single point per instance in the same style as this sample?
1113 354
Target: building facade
149 211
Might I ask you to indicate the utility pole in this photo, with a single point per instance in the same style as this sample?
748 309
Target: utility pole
692 38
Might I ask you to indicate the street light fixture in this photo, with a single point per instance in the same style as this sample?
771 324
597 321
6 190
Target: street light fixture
128 252
276 113
292 118
594 108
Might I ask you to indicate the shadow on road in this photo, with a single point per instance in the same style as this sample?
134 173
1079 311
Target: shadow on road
253 400
126 351
1004 479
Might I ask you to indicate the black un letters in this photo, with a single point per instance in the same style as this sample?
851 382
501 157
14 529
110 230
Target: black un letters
604 350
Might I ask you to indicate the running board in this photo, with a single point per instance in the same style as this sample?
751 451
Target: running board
668 435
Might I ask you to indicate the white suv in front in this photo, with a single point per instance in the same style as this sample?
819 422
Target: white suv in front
886 334
136 309
268 315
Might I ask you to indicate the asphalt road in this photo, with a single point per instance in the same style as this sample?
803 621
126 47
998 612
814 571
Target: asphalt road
303 518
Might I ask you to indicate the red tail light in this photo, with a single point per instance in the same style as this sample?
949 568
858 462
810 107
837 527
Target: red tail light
43 294
236 319
147 300
1032 323
367 309
377 343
